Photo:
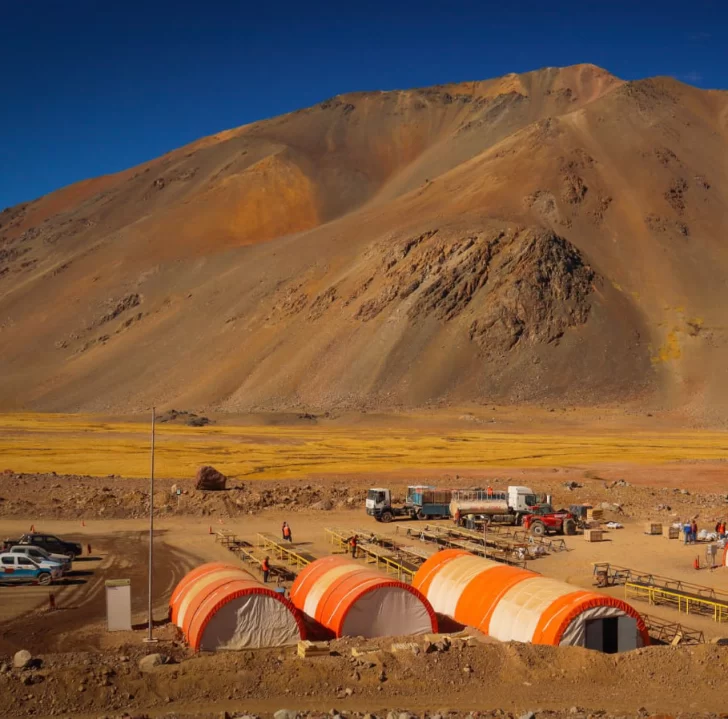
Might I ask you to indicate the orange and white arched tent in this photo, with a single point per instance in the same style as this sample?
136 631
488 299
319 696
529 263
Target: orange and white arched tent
352 600
513 604
222 606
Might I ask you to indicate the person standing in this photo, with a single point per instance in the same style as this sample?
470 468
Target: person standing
694 531
286 531
353 544
265 566
686 531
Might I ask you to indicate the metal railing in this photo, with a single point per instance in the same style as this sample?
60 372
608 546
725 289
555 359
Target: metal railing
671 632
387 558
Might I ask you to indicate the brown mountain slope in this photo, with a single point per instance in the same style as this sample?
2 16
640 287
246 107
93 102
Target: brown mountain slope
553 236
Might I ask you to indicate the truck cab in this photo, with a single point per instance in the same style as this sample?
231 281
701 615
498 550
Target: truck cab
523 499
379 501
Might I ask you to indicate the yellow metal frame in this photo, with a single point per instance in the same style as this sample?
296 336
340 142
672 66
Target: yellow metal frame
371 554
293 558
663 595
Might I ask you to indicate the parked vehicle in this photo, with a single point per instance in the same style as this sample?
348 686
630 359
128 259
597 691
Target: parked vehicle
19 568
496 506
41 556
422 502
545 521
49 542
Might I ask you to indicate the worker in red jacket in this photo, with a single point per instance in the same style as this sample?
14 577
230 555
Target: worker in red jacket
265 566
353 544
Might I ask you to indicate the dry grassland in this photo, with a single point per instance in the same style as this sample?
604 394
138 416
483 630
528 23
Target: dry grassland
75 444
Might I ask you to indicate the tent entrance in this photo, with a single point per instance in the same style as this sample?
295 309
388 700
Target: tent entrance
611 634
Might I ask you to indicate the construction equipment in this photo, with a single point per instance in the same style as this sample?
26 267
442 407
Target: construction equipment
422 502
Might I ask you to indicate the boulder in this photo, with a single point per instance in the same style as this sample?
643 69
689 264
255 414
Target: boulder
285 714
148 663
22 659
324 505
209 478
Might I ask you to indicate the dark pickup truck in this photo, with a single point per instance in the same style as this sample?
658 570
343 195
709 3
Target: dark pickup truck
49 542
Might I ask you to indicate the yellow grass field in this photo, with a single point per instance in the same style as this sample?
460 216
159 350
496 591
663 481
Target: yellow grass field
74 444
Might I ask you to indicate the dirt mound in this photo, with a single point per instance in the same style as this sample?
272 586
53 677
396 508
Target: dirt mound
502 680
550 234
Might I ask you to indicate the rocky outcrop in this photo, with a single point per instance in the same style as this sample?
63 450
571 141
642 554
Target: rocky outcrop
209 478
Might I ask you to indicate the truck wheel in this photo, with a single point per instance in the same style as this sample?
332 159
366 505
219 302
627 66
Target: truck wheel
538 528
386 517
418 514
569 527
44 578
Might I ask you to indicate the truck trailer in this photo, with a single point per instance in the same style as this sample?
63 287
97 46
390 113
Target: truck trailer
422 502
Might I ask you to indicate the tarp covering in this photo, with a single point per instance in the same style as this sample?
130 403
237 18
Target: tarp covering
513 604
221 606
349 599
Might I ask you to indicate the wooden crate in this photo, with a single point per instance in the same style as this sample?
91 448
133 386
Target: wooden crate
593 514
653 528
593 535
671 532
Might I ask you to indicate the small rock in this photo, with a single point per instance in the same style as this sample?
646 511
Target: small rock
527 715
467 669
404 715
22 659
148 663
348 691
4 668
574 710
285 714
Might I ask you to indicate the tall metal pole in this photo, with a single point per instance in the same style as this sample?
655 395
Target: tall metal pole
151 528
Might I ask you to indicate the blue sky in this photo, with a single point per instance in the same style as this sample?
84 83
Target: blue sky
90 87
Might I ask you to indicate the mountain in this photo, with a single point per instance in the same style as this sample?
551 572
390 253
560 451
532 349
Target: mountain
557 236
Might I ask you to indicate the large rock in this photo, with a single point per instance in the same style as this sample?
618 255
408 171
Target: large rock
147 664
22 659
209 478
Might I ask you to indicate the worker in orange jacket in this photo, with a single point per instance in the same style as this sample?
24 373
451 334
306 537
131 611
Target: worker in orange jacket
265 566
286 531
353 544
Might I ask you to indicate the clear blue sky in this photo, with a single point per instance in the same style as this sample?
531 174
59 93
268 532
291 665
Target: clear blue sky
90 87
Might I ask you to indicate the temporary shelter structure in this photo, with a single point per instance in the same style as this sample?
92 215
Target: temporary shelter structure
513 604
222 606
349 599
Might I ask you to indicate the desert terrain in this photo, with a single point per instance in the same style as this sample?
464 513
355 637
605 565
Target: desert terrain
86 671
553 236
509 281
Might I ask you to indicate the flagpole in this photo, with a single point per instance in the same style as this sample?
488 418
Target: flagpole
150 638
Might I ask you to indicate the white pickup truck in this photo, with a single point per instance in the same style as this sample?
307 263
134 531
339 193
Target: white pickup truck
19 568
43 557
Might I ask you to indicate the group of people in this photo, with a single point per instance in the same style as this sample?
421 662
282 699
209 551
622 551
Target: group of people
720 529
690 530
